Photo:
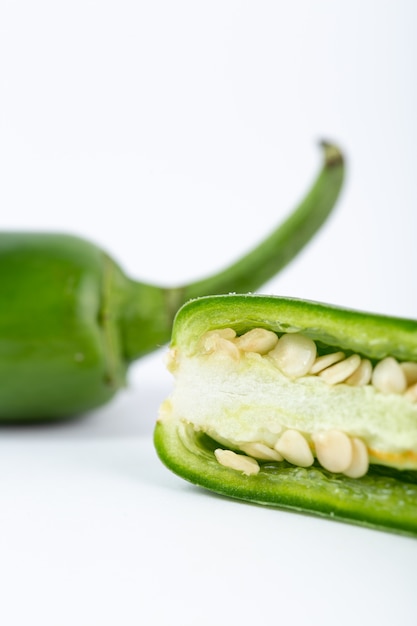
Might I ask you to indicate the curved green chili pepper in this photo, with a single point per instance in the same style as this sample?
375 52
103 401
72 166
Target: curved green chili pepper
71 322
295 404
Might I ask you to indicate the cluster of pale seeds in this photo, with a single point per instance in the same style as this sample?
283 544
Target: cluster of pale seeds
295 355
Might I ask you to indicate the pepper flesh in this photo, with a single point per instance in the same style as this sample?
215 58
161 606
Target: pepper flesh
71 321
212 407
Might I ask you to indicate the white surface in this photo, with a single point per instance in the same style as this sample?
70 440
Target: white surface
177 134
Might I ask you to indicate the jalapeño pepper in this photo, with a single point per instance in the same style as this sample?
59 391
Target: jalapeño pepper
295 404
71 321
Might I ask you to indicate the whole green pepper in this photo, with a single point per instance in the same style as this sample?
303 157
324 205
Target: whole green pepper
71 321
295 404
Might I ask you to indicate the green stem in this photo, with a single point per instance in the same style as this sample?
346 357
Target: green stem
271 255
145 330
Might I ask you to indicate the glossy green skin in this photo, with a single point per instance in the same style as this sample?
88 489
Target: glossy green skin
372 335
385 498
57 352
71 323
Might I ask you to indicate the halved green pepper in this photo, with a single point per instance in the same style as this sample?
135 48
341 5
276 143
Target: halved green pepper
254 416
71 321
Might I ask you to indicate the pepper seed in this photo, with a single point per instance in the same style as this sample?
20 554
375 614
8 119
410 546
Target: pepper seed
239 462
334 450
294 354
293 446
388 377
261 451
341 371
257 340
360 460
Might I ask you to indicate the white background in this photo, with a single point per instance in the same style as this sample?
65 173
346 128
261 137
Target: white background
176 135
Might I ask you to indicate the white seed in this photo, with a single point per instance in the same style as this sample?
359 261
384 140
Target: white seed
171 360
294 354
257 340
360 460
388 377
220 341
411 393
362 376
260 451
341 371
165 410
225 333
294 448
275 429
325 361
333 450
410 370
238 462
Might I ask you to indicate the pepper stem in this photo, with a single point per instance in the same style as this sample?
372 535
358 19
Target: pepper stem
146 330
284 243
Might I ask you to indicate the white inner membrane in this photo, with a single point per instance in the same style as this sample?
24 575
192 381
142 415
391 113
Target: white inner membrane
247 400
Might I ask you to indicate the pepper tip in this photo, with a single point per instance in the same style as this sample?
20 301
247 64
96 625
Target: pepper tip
332 154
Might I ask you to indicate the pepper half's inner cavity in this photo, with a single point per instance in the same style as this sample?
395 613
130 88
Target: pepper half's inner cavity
265 397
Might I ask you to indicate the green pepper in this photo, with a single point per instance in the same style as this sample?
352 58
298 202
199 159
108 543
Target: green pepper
297 405
71 321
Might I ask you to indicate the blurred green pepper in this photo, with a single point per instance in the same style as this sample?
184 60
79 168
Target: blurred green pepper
295 404
71 321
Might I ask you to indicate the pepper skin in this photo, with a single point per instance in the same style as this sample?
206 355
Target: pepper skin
71 322
227 399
